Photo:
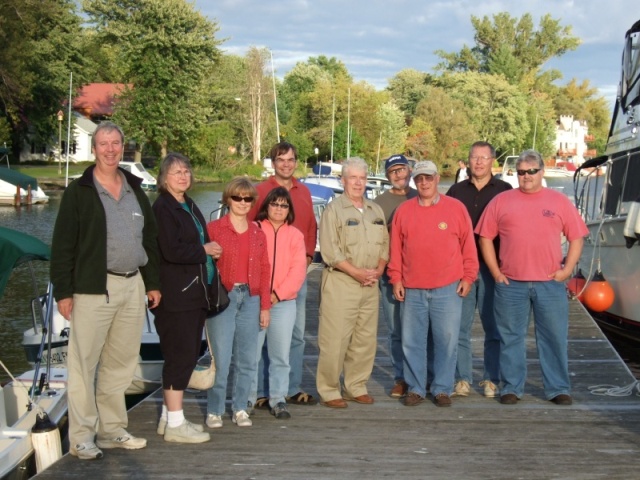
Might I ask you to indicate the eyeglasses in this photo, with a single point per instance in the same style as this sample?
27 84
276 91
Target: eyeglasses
480 158
531 171
238 199
180 173
424 178
284 206
398 171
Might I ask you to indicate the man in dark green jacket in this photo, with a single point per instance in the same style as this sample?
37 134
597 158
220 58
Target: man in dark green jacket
104 261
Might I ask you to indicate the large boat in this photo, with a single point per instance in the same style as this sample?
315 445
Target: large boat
608 198
36 397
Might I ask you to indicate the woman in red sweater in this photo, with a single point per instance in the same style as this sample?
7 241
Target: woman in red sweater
244 270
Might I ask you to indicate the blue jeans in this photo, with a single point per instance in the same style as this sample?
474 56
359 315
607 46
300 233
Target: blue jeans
234 334
296 352
513 305
278 341
393 315
480 296
437 311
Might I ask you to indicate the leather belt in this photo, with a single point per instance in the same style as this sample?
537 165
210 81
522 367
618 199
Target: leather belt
123 274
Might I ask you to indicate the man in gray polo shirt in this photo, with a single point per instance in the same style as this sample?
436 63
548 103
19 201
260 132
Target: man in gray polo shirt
104 261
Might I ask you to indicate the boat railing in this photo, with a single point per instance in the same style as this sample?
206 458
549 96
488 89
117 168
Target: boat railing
45 312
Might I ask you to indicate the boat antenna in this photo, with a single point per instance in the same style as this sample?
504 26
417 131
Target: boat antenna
349 124
333 125
275 97
535 130
66 180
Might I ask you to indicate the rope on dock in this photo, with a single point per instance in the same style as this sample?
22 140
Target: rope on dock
614 391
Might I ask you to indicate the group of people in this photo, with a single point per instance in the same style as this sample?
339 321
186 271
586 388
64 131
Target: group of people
428 259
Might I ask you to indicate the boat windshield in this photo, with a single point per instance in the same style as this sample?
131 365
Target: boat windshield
630 84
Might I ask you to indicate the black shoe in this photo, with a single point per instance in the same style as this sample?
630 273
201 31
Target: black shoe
562 399
509 399
280 411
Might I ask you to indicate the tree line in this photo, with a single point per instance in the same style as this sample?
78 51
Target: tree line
183 94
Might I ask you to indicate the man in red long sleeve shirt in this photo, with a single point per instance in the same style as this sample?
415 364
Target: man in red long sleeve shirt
433 264
284 157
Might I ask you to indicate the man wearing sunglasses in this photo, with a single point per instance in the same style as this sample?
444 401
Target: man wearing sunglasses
530 277
475 193
284 158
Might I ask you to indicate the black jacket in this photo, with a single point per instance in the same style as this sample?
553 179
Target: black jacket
183 273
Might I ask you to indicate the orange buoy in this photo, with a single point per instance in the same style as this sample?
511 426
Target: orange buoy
576 284
598 296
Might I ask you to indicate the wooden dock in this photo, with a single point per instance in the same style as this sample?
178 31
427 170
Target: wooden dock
597 437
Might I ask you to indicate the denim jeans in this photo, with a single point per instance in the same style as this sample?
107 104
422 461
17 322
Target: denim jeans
437 311
278 341
234 334
296 352
480 296
513 306
392 310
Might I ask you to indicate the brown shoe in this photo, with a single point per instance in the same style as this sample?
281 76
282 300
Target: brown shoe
562 399
412 399
442 400
509 399
337 403
366 399
399 390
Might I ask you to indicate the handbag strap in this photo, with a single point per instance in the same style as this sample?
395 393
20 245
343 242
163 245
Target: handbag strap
206 332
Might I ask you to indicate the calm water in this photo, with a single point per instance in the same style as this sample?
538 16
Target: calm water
38 220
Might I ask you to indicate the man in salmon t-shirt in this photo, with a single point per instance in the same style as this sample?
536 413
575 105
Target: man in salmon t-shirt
530 277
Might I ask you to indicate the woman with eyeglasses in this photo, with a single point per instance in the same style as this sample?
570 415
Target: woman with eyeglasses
288 259
186 270
244 270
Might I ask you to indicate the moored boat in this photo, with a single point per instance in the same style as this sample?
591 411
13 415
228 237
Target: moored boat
18 188
608 198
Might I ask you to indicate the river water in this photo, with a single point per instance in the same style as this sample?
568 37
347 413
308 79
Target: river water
38 220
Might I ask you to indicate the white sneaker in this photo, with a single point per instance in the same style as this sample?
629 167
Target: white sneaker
162 425
214 421
86 451
462 389
186 432
126 441
241 418
490 388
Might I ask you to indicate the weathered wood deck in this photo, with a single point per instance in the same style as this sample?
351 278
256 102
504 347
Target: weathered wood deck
597 437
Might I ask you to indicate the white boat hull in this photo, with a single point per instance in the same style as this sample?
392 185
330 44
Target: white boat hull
16 420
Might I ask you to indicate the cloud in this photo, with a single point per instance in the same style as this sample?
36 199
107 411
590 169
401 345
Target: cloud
378 38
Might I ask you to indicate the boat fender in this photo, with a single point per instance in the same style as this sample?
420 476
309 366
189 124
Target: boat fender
45 438
631 230
599 295
575 286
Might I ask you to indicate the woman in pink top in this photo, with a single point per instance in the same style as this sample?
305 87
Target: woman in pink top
244 270
288 270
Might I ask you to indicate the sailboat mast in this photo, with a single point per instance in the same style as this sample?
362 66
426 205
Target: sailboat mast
333 125
275 97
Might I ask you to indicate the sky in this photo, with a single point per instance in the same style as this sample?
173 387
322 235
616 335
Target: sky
376 39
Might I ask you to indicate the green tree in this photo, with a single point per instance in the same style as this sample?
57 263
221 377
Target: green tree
393 133
530 48
497 109
168 49
40 47
408 87
446 128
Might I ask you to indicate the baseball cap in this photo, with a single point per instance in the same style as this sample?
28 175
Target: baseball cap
426 167
395 160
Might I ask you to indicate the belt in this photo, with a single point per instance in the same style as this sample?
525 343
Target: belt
124 274
241 286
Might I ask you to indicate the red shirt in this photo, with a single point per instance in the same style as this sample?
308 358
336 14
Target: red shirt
223 232
302 207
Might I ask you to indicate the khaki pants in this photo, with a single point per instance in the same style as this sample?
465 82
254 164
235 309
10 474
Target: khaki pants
346 335
104 338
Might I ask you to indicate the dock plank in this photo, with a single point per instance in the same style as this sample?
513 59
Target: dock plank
597 437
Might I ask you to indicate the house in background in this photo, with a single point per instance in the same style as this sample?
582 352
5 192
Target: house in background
93 103
571 140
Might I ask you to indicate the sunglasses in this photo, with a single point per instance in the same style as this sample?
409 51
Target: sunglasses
531 171
238 199
284 206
